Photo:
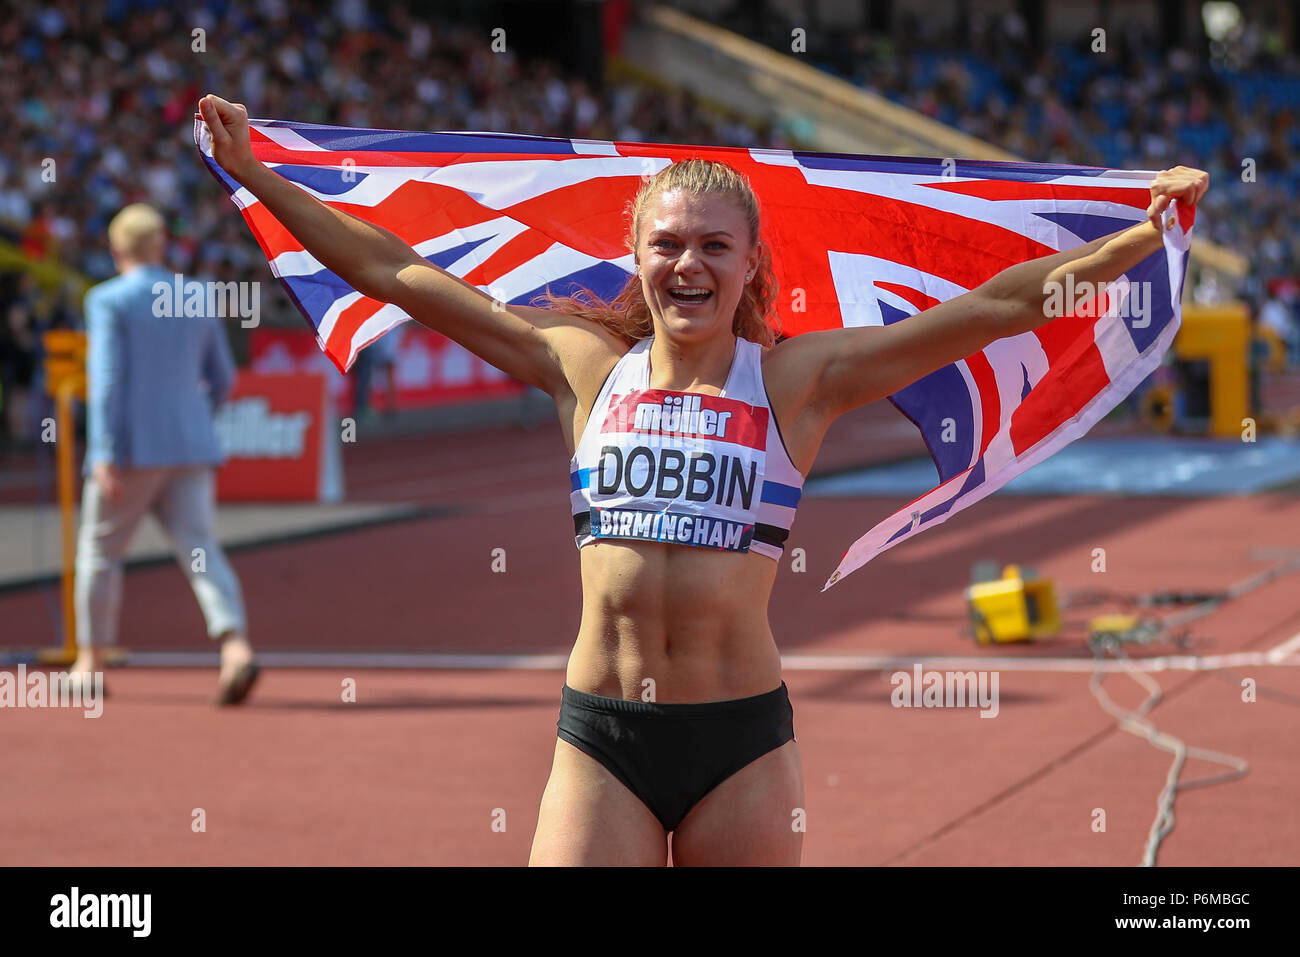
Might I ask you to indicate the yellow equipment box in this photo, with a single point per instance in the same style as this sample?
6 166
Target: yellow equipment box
1220 335
1013 609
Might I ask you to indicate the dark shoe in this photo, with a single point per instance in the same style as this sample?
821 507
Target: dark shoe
236 689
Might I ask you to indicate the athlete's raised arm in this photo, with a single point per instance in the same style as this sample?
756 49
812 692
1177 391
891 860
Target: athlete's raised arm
379 264
846 368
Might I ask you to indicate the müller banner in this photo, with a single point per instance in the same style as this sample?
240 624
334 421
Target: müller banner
428 369
278 440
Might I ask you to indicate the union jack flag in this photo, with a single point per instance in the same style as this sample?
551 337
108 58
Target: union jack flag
856 240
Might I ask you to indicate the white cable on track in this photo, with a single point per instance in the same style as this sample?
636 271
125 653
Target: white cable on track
1135 723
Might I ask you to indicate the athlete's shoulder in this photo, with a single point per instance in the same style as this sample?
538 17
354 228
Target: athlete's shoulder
788 356
586 350
585 334
556 319
792 373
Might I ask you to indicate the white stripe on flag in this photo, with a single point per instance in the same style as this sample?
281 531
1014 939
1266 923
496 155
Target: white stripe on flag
1111 333
976 410
550 266
332 315
287 138
468 234
773 157
501 184
295 262
595 147
855 276
1007 356
383 319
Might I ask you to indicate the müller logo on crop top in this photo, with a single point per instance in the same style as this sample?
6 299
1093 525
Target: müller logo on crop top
680 413
688 415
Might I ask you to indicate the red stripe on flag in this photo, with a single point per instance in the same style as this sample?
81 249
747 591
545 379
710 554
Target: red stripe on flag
589 216
515 253
418 211
1075 374
415 211
918 299
271 235
990 401
1139 197
339 344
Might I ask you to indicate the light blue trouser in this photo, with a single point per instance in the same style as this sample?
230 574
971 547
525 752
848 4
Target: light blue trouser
182 500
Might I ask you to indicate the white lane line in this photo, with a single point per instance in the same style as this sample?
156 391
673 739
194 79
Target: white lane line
1285 649
557 662
313 659
1162 663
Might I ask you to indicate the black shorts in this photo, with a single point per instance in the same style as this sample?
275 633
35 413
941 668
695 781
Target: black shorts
671 755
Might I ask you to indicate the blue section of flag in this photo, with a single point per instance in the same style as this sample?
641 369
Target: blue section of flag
892 314
445 257
1087 226
974 478
603 278
933 166
1153 272
222 176
322 179
932 400
342 139
317 292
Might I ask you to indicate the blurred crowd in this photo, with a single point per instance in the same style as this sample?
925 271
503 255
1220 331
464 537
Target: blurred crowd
107 91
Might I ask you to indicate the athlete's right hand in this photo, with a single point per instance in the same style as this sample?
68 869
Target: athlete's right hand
228 124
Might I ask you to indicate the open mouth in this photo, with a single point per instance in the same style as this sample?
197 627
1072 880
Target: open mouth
690 296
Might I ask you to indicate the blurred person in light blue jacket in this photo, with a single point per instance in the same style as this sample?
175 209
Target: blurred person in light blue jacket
153 384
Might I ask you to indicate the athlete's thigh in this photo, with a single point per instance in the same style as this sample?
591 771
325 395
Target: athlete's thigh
589 817
750 818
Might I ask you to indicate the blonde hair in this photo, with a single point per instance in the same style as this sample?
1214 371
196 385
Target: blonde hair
135 229
628 314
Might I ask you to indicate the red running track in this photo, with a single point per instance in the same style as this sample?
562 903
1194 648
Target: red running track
418 768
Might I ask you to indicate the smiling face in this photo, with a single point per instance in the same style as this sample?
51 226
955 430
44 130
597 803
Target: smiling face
695 254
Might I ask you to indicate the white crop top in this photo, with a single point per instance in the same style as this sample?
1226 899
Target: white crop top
682 467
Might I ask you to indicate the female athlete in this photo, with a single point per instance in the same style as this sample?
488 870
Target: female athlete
690 431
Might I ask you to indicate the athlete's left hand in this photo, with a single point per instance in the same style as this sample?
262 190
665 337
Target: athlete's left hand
1182 183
